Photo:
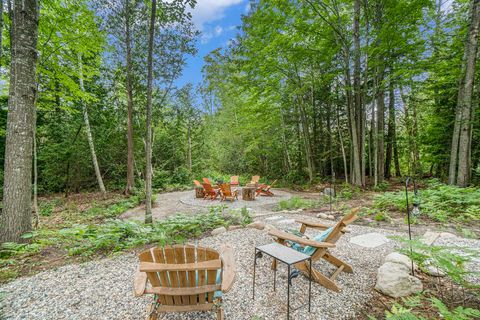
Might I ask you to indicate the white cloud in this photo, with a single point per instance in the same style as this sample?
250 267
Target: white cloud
248 7
207 11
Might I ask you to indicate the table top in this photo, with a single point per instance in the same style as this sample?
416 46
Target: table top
283 253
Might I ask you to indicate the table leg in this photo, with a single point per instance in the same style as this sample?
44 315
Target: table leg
288 293
254 265
274 279
310 287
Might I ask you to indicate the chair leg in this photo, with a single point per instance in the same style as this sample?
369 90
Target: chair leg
220 314
151 314
317 276
337 262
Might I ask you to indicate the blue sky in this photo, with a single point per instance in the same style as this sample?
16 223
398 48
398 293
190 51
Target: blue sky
218 21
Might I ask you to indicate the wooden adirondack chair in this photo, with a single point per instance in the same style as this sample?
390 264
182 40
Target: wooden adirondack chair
226 192
234 181
255 179
210 192
185 278
318 249
264 189
197 183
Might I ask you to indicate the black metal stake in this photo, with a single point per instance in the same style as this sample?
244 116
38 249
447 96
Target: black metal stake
408 218
254 265
288 293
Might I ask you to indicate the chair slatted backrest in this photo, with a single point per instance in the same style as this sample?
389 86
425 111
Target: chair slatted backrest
339 227
226 189
255 179
197 183
206 180
183 274
208 188
234 180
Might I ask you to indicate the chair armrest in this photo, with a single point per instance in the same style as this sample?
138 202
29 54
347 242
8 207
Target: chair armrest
139 284
306 242
313 224
229 269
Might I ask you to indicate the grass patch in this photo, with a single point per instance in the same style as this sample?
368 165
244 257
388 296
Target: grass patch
438 201
298 203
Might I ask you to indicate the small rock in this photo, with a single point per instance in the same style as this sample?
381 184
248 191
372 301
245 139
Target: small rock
370 240
394 280
429 237
322 216
260 225
219 230
230 228
399 258
330 217
329 192
432 270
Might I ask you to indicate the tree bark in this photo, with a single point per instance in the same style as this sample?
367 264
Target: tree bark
88 130
391 130
1 29
148 147
189 146
459 172
130 143
357 114
16 216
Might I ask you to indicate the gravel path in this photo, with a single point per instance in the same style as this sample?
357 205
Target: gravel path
185 201
103 289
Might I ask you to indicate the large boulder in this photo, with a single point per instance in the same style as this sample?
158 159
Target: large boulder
394 280
399 258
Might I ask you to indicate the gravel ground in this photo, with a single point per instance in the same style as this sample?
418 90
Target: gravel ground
185 201
103 289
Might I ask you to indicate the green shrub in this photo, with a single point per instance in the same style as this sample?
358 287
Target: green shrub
407 310
382 186
439 202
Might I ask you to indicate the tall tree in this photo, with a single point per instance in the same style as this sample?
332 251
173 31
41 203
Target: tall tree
129 88
148 140
16 216
459 172
88 129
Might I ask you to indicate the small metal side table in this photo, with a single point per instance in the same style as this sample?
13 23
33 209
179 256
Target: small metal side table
288 256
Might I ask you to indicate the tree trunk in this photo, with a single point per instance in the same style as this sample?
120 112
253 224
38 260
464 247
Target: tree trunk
1 28
460 154
391 130
16 216
380 127
88 130
148 146
130 143
189 146
356 113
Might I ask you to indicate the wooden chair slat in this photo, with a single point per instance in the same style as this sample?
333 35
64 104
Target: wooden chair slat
182 274
172 275
190 257
156 267
185 291
201 256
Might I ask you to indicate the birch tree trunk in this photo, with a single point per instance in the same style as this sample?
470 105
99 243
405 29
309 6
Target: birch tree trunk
88 130
1 28
148 147
16 216
460 154
189 146
130 143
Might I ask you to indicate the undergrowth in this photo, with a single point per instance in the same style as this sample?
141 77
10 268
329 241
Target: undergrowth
438 201
298 203
115 235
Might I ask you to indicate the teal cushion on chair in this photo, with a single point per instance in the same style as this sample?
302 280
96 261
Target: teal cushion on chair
218 280
308 249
